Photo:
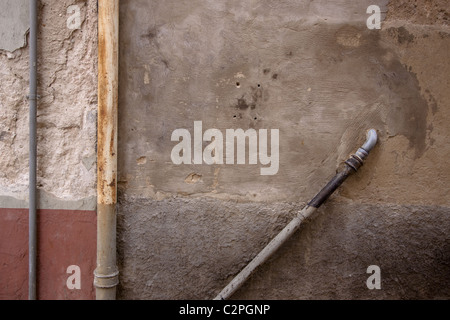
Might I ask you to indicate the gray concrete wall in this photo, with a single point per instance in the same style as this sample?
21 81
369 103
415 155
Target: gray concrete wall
314 71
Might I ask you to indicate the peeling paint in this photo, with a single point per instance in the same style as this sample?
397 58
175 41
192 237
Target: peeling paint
14 24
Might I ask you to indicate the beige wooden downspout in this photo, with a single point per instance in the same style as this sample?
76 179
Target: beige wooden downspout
106 275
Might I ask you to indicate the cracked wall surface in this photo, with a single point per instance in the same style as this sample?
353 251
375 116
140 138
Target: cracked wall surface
67 109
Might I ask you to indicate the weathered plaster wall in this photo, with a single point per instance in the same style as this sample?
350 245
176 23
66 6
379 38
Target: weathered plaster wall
313 70
66 136
66 113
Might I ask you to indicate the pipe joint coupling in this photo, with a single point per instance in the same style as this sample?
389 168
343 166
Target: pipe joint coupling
106 280
356 160
361 154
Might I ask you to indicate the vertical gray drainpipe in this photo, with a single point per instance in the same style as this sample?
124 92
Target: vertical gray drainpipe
106 275
32 241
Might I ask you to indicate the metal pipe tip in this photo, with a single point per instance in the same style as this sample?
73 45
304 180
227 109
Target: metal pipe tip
371 140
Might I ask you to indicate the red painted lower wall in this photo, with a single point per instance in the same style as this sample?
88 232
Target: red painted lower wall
66 254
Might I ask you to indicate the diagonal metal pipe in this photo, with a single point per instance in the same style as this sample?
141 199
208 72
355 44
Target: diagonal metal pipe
351 165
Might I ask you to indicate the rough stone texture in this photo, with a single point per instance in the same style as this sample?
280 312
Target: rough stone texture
324 78
191 248
185 248
430 12
66 108
328 258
